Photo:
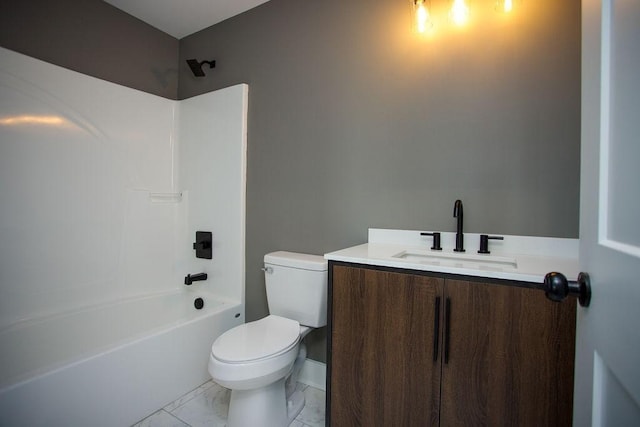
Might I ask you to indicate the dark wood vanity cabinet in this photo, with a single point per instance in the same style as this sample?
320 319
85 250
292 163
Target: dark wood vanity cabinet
382 339
413 349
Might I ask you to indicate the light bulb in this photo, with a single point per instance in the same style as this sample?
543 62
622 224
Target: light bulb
422 16
504 6
459 12
507 6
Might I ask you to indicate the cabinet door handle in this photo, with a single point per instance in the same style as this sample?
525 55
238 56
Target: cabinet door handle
447 329
436 329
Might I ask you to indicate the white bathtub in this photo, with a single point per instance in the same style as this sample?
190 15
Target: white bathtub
109 365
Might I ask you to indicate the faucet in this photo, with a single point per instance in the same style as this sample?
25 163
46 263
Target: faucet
457 213
190 278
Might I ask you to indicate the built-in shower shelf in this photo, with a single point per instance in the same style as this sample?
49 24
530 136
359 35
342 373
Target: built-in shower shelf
165 197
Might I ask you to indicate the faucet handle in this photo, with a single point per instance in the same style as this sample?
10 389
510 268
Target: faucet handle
484 243
436 240
202 245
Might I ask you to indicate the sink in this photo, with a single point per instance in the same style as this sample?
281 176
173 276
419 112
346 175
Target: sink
460 260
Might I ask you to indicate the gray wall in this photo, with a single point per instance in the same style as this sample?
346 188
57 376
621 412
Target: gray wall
354 123
94 38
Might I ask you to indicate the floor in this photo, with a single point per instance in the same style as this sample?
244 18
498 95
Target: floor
208 405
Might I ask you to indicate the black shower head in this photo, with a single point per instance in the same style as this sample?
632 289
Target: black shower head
196 67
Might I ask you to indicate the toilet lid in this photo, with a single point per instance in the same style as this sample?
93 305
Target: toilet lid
256 340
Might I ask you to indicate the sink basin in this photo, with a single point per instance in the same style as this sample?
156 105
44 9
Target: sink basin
460 260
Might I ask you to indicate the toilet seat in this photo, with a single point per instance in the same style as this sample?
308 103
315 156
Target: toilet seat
262 339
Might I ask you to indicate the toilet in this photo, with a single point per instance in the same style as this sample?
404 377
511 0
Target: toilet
260 361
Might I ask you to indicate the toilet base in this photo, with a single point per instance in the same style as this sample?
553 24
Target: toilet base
264 407
276 404
294 405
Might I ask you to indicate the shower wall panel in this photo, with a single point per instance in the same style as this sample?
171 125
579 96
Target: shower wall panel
80 162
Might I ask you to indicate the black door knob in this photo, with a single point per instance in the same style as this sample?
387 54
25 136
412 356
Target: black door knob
557 287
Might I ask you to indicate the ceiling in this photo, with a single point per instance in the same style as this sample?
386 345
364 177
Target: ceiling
180 18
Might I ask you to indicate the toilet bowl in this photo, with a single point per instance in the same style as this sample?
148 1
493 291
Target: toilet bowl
259 361
255 360
255 354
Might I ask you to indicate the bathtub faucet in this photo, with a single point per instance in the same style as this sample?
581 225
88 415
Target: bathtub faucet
190 278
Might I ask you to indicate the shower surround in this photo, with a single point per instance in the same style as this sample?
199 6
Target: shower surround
103 188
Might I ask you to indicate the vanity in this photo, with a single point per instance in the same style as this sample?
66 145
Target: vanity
435 337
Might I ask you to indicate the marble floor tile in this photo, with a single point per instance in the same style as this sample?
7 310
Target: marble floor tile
187 397
313 412
208 405
208 408
161 419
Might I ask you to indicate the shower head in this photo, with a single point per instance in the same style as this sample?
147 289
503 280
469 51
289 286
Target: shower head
196 67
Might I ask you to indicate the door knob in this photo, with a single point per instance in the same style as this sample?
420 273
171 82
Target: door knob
557 287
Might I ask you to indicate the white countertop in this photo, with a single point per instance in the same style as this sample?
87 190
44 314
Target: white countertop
534 257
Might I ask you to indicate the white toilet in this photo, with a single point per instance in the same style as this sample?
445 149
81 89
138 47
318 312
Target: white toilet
256 360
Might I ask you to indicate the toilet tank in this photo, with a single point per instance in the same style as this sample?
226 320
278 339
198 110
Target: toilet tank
297 287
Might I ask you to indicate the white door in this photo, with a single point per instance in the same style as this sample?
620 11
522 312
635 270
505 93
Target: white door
607 391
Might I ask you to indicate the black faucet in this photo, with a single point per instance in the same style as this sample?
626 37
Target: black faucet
457 213
190 278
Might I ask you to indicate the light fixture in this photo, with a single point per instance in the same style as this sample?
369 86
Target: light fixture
459 12
506 6
422 16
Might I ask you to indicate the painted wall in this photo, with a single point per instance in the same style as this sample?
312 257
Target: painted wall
355 122
103 187
94 38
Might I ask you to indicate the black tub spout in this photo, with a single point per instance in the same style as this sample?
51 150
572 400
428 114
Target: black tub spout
190 278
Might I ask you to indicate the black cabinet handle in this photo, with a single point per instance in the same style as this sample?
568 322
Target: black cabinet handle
447 329
436 329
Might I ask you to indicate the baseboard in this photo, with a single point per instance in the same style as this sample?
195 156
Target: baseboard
314 373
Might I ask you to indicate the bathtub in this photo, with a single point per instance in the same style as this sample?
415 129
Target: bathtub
109 365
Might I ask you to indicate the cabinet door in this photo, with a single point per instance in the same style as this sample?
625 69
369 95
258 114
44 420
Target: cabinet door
510 360
383 370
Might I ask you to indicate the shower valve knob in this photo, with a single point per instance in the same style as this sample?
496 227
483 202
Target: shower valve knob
203 244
